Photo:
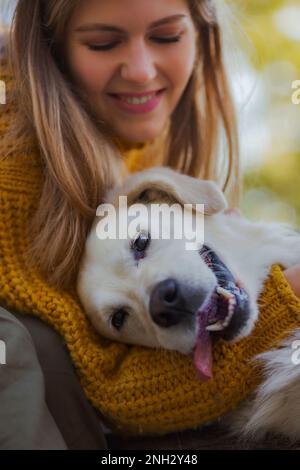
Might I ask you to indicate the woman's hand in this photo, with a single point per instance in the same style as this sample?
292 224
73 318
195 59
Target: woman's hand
292 275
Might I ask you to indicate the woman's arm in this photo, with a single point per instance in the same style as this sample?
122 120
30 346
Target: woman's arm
25 420
292 275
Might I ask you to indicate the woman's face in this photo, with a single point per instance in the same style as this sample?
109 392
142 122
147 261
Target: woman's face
132 60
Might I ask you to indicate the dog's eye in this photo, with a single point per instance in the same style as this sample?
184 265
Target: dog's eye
118 318
141 241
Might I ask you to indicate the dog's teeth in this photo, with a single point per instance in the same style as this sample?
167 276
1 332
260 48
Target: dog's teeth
218 326
225 293
221 325
226 321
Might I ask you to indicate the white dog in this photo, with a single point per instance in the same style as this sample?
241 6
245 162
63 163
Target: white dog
155 292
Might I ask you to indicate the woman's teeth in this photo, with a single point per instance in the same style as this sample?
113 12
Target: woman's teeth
142 100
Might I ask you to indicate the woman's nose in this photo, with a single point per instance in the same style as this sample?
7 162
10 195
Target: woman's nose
139 64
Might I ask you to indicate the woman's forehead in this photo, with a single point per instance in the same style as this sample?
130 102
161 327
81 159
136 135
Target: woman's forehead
124 13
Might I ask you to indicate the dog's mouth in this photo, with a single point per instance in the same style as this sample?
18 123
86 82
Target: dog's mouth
223 314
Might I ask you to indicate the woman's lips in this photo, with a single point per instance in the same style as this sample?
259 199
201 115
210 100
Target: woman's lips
137 108
137 95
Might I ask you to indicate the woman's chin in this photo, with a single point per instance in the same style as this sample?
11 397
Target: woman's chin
136 135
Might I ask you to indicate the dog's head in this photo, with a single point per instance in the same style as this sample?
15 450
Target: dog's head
144 289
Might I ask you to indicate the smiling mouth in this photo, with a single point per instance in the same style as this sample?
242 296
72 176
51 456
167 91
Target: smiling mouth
137 96
222 315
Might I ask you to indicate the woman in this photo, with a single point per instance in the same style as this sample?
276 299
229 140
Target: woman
100 86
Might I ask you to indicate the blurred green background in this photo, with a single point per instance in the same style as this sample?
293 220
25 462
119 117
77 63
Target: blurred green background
269 121
264 61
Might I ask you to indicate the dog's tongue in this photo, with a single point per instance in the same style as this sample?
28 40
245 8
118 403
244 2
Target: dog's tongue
203 349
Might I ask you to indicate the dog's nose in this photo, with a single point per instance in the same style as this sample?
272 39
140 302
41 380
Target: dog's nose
167 304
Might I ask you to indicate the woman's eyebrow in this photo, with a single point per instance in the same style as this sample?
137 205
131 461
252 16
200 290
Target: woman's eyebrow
107 27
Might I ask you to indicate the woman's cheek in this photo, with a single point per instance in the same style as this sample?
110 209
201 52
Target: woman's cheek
87 73
183 65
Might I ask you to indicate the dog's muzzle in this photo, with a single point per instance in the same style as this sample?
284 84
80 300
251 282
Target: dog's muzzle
222 314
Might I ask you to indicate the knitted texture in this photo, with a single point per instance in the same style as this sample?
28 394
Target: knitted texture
133 155
138 390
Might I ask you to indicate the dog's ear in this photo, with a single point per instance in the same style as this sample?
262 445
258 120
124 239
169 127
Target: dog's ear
161 183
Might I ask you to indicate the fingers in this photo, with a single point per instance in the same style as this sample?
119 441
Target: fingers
233 211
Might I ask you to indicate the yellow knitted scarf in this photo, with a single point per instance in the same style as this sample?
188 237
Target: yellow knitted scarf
138 390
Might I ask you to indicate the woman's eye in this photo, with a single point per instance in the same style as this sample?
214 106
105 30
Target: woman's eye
118 318
102 47
107 47
168 39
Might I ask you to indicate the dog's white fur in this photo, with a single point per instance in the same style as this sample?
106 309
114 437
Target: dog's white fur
110 277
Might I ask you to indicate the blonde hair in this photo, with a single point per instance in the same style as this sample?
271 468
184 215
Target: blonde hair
80 162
